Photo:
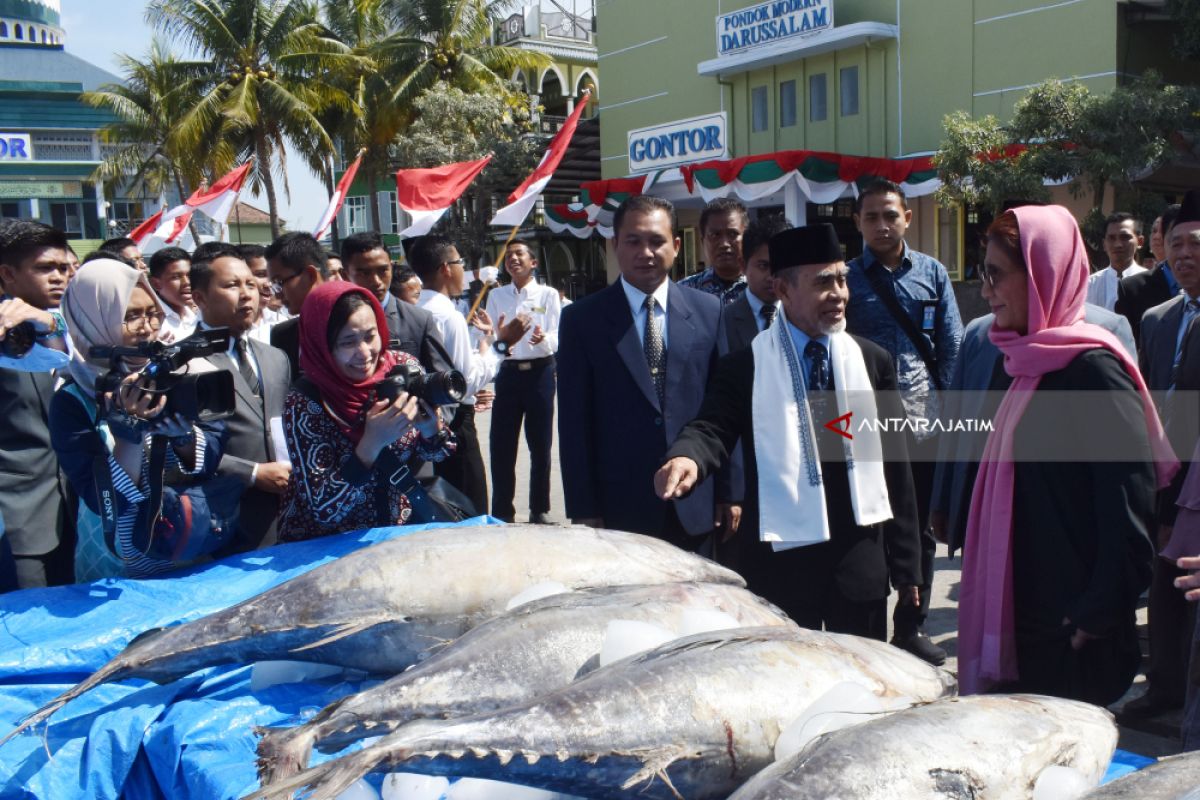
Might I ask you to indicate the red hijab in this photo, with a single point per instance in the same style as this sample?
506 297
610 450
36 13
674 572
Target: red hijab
346 399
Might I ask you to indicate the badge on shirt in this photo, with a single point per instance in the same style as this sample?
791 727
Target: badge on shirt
929 316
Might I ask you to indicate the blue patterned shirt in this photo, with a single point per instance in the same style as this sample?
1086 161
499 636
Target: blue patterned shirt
918 280
711 283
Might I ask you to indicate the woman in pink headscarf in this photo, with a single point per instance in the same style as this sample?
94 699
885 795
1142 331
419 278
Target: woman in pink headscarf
1057 550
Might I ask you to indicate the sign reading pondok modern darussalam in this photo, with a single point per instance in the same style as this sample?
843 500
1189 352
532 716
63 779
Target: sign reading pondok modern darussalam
674 143
771 22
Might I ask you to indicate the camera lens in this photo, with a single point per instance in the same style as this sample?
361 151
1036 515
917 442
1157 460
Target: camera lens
19 341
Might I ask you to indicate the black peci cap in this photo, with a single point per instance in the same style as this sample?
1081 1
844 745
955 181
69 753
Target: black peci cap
812 244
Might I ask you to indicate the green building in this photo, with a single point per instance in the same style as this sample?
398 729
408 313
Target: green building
49 140
694 80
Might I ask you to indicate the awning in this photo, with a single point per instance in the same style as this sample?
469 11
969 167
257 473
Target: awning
821 177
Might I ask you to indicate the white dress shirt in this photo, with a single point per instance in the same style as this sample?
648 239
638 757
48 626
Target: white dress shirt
177 326
542 305
637 300
478 368
1102 285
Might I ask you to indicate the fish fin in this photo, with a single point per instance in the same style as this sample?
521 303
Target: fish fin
588 667
340 632
328 780
282 753
655 764
113 670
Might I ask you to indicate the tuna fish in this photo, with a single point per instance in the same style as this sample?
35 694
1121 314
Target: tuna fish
382 608
986 747
537 647
1174 778
691 719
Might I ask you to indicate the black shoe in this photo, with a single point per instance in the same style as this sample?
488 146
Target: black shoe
923 648
1151 704
540 518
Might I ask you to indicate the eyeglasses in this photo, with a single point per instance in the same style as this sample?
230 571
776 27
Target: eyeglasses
459 261
277 286
991 275
153 319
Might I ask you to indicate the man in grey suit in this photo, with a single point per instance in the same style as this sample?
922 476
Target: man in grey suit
228 296
979 369
35 502
410 328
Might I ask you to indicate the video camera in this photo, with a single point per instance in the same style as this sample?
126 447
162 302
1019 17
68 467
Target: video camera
437 388
204 397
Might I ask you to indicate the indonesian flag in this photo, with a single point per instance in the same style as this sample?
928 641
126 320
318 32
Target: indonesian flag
524 196
339 197
165 225
426 194
218 200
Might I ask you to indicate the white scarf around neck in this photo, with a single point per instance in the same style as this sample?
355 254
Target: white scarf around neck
791 490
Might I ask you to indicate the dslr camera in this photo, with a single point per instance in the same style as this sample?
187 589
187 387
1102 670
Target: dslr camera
437 389
205 397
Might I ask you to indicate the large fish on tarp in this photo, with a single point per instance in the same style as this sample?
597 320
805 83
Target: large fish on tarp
382 608
691 719
1173 778
985 747
533 649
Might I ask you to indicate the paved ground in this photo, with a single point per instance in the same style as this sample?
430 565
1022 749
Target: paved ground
1154 737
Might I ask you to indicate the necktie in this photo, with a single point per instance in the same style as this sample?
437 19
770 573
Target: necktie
244 365
818 374
768 314
652 345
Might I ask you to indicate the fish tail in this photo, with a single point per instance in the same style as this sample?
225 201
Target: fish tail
113 670
283 752
326 781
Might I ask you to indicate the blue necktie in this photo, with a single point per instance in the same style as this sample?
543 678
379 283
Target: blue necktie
818 374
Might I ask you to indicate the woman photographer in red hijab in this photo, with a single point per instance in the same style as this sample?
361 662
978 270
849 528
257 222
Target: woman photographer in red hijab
346 444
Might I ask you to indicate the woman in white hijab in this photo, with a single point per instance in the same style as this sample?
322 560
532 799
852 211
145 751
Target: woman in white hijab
102 448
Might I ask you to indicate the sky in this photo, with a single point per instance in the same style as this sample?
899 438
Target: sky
100 32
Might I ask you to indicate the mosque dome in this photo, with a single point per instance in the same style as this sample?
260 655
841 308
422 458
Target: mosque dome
31 23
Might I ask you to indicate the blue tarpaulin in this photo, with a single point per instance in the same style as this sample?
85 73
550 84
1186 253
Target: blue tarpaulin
190 738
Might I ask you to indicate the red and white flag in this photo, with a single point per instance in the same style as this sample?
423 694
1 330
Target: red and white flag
339 197
426 194
218 200
167 226
524 196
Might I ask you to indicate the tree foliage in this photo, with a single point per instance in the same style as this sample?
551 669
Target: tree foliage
1185 16
454 125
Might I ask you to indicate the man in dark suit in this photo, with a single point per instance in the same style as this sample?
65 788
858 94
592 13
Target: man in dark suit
1139 293
228 296
35 502
826 568
633 360
410 329
295 264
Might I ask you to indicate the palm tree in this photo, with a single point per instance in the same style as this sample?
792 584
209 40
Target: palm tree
148 106
263 81
406 47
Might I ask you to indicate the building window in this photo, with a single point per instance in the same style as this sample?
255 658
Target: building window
358 214
17 32
787 104
4 30
817 108
127 214
758 109
849 91
32 35
68 218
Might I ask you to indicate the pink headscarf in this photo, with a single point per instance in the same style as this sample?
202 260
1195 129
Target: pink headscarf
1058 271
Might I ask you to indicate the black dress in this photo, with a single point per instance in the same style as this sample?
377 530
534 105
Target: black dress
1080 545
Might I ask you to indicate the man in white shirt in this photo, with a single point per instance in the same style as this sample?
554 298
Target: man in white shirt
437 263
525 386
169 269
1122 240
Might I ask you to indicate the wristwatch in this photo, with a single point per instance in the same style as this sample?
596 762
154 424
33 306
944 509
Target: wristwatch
501 347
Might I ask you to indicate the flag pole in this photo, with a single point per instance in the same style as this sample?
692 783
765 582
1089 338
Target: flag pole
487 287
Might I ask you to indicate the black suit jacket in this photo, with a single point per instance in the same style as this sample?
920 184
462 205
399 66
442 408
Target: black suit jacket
412 330
249 439
614 431
1139 293
738 326
858 559
286 337
37 505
